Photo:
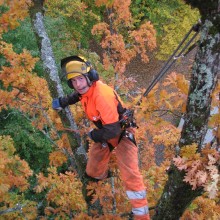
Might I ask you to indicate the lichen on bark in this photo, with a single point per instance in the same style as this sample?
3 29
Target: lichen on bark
177 194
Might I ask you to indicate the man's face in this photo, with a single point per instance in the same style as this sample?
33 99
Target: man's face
80 84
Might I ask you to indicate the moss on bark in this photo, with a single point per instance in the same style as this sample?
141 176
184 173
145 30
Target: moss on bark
177 196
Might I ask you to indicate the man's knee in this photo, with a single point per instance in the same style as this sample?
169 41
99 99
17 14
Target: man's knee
98 175
90 178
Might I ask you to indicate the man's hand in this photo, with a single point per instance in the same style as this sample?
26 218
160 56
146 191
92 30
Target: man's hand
104 144
56 104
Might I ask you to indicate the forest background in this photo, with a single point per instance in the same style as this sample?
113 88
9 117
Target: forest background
43 153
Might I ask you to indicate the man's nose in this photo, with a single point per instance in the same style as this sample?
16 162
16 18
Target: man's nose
77 82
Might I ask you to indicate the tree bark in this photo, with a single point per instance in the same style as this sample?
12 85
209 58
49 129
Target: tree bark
52 77
178 195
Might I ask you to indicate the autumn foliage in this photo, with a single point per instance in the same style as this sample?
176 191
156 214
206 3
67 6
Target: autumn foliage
120 41
64 193
157 116
200 169
14 174
17 11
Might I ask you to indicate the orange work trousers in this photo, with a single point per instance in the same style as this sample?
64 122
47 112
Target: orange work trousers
127 161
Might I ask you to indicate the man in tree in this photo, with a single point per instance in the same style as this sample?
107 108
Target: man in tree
115 129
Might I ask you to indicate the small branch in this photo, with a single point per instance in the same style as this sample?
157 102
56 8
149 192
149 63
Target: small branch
33 106
72 130
165 111
18 207
113 193
11 113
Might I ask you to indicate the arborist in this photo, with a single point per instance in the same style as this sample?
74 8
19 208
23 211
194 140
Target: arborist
115 129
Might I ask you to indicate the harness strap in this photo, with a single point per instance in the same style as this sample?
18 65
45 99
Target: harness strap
128 135
111 148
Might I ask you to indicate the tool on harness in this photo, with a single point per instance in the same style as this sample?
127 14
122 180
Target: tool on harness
127 120
174 57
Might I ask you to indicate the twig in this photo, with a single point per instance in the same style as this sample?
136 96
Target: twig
18 207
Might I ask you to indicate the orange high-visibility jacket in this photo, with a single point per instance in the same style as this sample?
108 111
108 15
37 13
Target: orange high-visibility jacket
103 106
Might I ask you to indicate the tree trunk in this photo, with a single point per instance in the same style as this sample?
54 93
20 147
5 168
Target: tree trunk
52 77
178 195
202 84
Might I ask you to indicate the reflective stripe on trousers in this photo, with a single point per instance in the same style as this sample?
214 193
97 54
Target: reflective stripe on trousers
138 199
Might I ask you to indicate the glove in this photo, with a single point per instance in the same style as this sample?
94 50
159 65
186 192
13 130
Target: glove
104 144
56 104
69 99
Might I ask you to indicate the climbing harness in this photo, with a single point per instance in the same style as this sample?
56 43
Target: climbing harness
174 57
127 120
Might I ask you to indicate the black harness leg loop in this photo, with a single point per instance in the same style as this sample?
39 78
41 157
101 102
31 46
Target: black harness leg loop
121 136
128 135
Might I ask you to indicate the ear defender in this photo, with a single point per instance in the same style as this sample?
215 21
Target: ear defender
76 65
93 75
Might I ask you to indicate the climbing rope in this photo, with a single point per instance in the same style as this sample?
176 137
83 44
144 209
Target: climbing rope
174 57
